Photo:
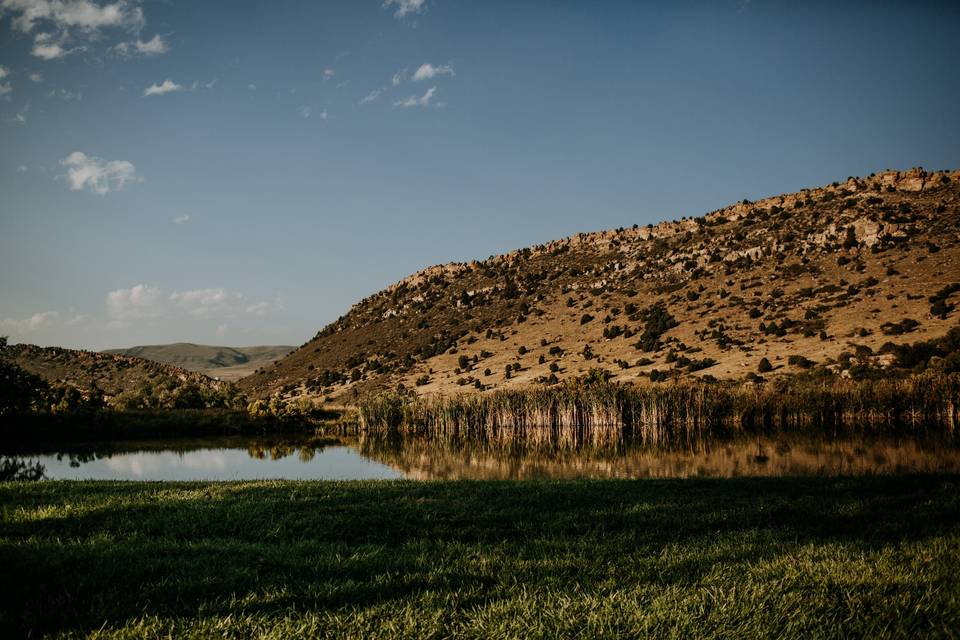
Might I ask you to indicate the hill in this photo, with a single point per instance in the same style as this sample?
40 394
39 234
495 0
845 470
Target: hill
88 370
225 363
822 277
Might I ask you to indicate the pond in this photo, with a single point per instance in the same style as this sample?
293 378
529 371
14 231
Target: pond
418 458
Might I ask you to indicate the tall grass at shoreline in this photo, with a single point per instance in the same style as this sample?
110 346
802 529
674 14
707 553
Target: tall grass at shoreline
679 414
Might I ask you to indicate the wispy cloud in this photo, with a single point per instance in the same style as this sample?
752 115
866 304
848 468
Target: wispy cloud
144 303
155 46
421 101
329 73
167 86
370 97
64 94
98 175
398 77
304 110
427 71
404 8
181 219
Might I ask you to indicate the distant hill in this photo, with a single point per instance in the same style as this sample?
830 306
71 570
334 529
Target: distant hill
822 277
226 363
88 370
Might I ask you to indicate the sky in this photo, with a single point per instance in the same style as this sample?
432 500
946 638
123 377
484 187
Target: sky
241 173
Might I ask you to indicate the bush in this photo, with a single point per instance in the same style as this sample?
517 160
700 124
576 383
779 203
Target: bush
764 366
656 321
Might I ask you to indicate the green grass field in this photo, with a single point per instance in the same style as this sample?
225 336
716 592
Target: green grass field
812 557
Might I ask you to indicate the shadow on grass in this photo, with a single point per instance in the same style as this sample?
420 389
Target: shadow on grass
76 556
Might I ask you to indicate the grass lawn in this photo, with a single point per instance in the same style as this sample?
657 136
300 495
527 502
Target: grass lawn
808 557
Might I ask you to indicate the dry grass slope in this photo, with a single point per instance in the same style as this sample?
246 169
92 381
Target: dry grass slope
813 277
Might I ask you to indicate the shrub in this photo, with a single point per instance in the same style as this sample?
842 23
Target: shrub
764 366
656 321
898 328
800 361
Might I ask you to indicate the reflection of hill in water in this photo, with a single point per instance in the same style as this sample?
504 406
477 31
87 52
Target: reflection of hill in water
422 458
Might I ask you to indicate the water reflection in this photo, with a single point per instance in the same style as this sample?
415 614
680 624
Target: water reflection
226 458
421 458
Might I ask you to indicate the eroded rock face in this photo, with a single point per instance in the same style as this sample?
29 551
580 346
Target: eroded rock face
868 232
913 180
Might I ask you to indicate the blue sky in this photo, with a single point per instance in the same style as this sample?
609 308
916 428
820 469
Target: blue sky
241 173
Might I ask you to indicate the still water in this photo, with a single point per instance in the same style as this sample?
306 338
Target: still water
246 458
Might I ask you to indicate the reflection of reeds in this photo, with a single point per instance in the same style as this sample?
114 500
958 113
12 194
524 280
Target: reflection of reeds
426 458
680 414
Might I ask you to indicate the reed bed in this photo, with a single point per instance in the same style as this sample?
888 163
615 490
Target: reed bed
680 414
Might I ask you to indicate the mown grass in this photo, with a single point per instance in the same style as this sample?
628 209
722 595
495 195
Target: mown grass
793 557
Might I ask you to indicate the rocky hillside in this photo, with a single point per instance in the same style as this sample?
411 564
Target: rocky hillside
822 277
225 363
88 370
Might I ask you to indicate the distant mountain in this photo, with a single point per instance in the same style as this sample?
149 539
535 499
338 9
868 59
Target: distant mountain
225 363
822 277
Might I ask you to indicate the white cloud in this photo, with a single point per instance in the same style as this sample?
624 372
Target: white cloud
5 87
36 322
140 302
399 77
62 21
370 97
211 84
98 175
406 7
181 219
204 302
36 77
252 87
323 115
304 110
166 86
155 46
328 73
22 168
259 309
79 319
427 71
48 46
69 14
414 101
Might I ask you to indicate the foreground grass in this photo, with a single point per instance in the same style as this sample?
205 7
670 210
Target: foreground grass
863 557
